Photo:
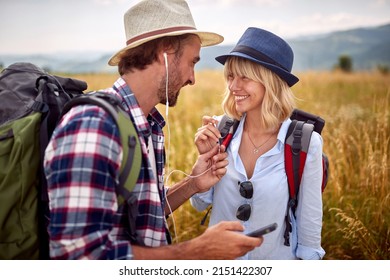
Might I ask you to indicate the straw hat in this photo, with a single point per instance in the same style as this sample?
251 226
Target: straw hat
152 19
266 49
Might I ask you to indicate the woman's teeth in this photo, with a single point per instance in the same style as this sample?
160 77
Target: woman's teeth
241 97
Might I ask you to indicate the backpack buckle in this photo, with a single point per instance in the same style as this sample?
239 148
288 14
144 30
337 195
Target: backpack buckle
292 203
40 107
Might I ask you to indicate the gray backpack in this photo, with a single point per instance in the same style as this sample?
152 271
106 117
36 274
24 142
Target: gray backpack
32 103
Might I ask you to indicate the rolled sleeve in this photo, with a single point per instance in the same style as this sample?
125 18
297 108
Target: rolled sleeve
307 253
201 201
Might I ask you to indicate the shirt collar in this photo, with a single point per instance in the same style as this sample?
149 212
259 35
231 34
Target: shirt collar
283 131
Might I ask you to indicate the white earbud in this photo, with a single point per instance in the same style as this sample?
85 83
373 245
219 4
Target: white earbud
166 82
165 60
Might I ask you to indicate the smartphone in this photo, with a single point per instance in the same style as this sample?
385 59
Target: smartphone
260 232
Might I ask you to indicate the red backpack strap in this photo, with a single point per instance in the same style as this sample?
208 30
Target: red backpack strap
295 152
227 126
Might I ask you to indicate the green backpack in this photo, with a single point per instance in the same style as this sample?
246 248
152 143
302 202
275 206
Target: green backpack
32 103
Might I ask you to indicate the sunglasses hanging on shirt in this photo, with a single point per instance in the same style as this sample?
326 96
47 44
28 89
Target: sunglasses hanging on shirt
245 210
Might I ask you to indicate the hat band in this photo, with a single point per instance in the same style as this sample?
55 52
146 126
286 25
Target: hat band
158 32
257 55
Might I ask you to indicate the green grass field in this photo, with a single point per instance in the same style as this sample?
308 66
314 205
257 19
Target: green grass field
356 108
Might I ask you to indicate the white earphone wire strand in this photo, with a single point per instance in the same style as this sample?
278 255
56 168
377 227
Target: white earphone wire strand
168 147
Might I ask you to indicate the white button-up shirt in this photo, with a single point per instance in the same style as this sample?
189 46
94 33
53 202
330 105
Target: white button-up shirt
270 197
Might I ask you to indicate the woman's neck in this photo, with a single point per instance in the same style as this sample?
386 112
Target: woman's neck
254 126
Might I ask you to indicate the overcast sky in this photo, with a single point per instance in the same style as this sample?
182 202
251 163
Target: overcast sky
52 26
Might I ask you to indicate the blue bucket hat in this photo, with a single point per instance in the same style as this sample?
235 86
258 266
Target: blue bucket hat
266 49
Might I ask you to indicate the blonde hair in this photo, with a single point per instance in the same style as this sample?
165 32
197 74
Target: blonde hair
278 102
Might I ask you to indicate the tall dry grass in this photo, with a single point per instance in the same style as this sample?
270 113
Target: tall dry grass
356 107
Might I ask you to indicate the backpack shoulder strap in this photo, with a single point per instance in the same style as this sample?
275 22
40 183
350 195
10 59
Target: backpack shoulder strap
132 157
296 147
295 152
227 126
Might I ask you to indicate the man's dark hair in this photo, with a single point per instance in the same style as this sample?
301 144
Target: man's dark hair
145 54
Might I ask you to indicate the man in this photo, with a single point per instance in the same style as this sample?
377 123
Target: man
83 158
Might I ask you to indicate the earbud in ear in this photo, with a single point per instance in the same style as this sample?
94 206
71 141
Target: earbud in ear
165 59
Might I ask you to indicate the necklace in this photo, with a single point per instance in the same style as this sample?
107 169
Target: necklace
256 149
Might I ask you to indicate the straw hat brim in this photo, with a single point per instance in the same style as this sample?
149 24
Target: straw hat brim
207 39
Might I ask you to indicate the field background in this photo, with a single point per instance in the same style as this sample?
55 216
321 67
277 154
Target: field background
356 107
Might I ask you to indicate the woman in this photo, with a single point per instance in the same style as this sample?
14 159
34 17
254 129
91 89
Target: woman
254 189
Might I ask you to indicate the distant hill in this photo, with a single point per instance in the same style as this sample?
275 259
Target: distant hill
368 48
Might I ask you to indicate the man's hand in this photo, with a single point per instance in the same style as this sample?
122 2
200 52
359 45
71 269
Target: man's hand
212 165
224 241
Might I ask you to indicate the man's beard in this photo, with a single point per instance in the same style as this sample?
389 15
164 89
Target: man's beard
174 87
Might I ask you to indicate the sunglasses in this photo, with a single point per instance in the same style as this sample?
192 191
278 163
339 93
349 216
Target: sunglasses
245 210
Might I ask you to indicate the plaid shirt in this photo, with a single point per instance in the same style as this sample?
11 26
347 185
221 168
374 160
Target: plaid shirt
82 165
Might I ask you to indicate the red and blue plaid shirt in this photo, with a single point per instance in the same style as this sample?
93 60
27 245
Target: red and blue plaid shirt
82 165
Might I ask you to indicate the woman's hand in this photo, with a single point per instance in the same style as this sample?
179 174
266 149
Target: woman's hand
207 135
